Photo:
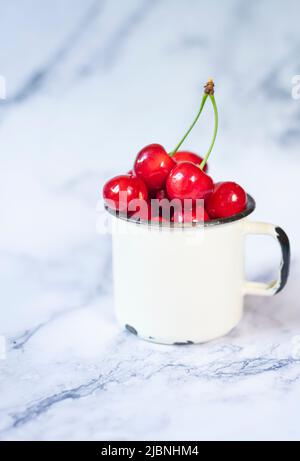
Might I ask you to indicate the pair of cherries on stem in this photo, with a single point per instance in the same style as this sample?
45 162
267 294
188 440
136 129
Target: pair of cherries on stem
177 172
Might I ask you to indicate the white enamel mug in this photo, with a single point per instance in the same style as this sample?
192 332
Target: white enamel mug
185 285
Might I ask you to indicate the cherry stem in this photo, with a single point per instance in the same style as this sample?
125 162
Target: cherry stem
203 163
204 98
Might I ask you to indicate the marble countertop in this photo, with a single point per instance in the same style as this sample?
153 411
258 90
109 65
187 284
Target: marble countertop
88 84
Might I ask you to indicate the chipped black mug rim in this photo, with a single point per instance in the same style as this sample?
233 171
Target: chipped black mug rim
213 222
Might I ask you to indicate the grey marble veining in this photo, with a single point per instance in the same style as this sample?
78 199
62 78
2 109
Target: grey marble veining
88 84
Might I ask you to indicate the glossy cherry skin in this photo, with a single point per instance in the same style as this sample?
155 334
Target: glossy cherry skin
196 214
186 156
153 165
187 181
227 199
120 190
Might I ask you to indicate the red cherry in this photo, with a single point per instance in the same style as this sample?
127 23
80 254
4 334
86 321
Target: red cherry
227 199
152 165
187 181
120 190
196 214
186 156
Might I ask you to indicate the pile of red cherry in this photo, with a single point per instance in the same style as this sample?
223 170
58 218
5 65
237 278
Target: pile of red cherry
180 175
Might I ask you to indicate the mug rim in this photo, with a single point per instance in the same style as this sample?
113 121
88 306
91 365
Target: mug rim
213 222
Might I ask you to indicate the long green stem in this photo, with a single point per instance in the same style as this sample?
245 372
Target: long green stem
212 98
204 98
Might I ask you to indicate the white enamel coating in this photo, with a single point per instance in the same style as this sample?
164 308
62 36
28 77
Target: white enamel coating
182 285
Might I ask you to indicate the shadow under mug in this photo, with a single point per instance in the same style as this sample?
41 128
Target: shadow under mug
186 284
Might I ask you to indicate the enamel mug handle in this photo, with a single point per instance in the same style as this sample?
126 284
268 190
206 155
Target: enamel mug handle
273 287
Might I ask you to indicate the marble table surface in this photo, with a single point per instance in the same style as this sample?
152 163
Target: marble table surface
88 83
